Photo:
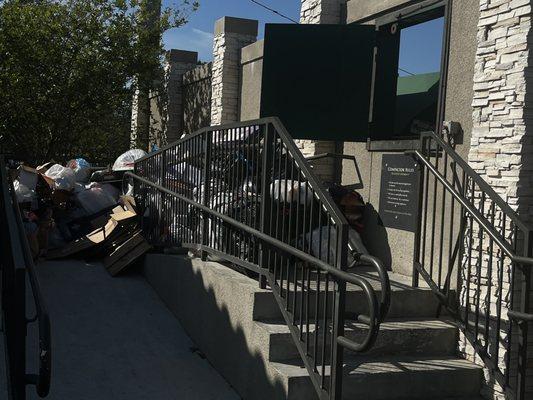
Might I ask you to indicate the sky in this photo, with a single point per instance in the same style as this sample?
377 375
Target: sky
420 46
197 35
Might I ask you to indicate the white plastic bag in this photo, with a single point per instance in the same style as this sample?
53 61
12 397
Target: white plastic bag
23 193
81 168
285 192
97 197
126 161
27 177
185 172
64 178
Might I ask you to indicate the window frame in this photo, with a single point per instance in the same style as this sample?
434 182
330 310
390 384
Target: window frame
405 17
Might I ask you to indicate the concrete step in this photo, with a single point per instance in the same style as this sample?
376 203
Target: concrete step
424 337
406 302
399 378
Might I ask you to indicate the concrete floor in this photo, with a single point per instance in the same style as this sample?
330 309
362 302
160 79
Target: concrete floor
113 339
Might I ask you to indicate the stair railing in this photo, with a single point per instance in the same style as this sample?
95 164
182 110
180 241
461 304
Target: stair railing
16 267
243 193
474 252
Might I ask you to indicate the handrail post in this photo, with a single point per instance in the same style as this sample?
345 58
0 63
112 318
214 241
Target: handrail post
525 288
162 175
205 195
266 179
418 233
339 315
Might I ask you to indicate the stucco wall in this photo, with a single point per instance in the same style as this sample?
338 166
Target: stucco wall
251 77
395 247
360 9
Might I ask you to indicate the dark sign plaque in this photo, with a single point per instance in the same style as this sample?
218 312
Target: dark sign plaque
398 198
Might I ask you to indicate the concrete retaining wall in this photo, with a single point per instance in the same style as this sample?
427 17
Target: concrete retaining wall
217 307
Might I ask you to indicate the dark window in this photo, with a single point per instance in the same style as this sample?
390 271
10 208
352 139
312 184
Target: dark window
417 91
407 76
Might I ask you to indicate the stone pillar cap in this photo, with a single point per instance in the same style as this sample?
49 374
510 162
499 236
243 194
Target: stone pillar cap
242 26
184 56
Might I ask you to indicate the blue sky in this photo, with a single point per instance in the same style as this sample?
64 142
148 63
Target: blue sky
197 35
420 45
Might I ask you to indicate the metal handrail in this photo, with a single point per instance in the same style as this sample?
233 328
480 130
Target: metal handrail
303 164
219 192
479 181
42 380
491 238
334 209
372 320
231 125
480 219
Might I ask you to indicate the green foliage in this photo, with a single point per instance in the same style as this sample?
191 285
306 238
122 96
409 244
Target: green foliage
67 70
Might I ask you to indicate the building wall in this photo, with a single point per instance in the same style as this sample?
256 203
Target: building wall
197 98
362 9
251 81
167 104
501 152
180 62
321 11
231 35
395 247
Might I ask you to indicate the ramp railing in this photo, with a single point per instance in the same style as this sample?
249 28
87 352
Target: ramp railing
243 193
16 267
475 252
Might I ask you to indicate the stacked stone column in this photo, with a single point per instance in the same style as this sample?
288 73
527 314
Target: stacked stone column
321 11
178 63
162 110
231 35
501 145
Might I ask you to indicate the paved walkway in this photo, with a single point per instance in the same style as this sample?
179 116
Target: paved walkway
113 339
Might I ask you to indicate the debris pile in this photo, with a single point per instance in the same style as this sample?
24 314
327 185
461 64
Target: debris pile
78 210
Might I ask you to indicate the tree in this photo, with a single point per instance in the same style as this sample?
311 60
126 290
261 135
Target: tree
67 70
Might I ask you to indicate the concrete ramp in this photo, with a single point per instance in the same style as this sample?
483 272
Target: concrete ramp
113 339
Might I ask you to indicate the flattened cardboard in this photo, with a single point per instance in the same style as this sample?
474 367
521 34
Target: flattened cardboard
123 216
123 249
92 239
129 258
107 231
128 202
117 209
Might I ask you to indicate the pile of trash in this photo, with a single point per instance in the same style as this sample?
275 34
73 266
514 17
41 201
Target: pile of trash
70 209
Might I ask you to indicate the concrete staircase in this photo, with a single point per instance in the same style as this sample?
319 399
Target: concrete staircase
414 356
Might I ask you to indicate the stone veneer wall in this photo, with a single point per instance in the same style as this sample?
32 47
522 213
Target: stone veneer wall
179 63
162 111
231 35
166 116
502 142
320 12
197 98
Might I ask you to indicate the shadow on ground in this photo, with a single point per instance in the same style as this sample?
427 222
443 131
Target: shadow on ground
113 338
